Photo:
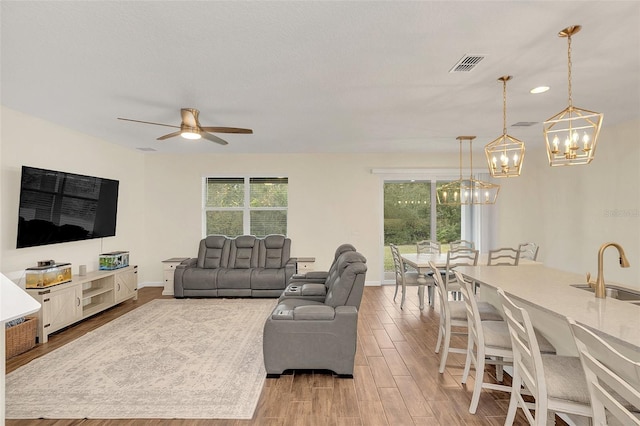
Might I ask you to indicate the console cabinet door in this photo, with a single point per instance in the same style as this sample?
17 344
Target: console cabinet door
126 285
61 308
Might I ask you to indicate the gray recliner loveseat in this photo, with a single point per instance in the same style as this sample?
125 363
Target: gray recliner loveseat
303 333
236 267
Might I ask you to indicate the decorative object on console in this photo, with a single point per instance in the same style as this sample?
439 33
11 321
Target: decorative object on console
505 154
47 273
114 260
467 191
572 127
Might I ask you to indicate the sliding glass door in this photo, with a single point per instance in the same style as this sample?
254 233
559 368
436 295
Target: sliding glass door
411 214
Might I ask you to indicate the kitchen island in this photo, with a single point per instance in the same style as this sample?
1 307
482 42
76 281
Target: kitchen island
549 298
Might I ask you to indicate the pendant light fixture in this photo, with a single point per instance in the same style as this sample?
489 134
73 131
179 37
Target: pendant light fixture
572 134
505 154
467 191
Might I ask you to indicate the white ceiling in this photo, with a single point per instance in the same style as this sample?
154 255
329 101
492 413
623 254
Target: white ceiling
315 76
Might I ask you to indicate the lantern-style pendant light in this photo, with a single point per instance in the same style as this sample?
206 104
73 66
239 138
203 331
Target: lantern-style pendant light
572 134
505 154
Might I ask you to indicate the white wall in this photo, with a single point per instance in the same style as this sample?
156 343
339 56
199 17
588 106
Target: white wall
333 198
26 140
571 211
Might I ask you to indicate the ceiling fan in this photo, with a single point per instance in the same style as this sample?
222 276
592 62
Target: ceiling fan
190 128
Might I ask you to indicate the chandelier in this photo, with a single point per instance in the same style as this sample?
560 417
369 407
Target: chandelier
572 134
467 191
505 154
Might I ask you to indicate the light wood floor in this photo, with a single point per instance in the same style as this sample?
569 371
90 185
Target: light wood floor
396 379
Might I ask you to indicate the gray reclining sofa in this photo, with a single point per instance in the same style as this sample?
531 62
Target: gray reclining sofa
236 267
304 332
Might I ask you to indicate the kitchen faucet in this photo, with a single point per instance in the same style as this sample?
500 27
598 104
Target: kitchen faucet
599 284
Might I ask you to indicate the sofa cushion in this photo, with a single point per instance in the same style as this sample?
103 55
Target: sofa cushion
243 252
200 279
274 251
350 264
213 252
234 278
262 279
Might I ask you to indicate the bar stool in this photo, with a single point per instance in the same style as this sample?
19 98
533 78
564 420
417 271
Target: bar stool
612 378
556 382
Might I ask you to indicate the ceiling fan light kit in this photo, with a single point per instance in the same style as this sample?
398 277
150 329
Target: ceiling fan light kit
190 128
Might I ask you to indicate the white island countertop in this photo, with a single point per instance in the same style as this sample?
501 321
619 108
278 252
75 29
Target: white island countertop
550 290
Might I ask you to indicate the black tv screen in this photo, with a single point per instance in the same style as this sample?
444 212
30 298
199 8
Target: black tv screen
57 207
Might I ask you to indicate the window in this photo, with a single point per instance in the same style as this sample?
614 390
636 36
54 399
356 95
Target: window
245 205
411 213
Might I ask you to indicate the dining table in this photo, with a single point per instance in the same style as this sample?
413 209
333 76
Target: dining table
420 262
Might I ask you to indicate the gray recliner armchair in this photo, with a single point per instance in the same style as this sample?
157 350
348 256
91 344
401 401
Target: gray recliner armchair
311 334
314 285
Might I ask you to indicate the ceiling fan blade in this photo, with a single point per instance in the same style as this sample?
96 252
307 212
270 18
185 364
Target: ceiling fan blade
190 117
213 138
149 122
226 130
170 135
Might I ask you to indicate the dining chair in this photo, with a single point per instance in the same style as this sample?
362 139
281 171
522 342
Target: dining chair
613 379
528 251
503 256
453 314
488 343
457 244
459 257
404 278
427 246
557 382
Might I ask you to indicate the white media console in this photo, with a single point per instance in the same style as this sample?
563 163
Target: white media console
85 295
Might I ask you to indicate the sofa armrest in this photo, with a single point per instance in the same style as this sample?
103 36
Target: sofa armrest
315 276
289 269
314 312
188 263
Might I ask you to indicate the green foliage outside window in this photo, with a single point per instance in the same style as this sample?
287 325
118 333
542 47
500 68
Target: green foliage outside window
225 206
407 214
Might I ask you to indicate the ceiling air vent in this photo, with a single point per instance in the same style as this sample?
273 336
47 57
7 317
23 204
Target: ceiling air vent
524 124
145 149
467 63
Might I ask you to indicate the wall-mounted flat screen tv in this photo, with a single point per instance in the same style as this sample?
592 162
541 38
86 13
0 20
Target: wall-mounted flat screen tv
58 207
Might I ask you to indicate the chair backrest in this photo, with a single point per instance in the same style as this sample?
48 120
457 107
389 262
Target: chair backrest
504 256
528 251
474 324
398 264
527 359
243 253
275 251
454 245
612 378
347 285
442 296
213 252
459 257
427 246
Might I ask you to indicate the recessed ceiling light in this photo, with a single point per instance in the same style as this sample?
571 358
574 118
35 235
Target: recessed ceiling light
539 89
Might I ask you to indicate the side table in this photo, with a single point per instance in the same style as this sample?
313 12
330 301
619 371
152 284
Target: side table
168 268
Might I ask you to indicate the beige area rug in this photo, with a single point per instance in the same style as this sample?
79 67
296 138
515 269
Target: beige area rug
188 358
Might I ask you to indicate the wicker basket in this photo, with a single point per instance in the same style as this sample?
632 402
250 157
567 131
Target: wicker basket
22 337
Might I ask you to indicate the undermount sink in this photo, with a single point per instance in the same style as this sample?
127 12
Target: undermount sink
614 292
